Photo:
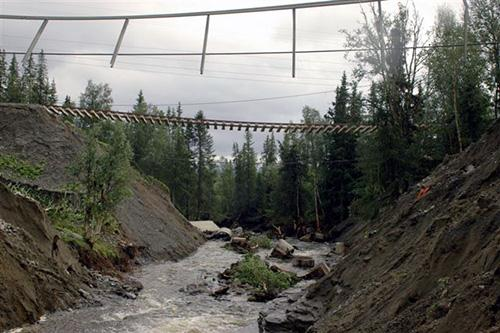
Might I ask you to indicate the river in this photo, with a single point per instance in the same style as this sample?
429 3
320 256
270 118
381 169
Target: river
165 307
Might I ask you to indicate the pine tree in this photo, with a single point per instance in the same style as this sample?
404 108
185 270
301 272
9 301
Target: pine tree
3 77
267 178
14 91
224 191
290 200
52 94
44 92
201 143
139 134
28 81
246 177
68 103
338 166
182 173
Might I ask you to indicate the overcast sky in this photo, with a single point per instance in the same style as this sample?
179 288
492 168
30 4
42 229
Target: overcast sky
173 79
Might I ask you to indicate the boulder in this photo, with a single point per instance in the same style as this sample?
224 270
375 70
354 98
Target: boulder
317 272
238 231
242 245
224 234
303 261
340 248
205 226
319 237
283 250
306 238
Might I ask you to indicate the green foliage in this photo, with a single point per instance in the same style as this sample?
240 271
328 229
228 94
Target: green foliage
290 194
253 271
202 149
224 191
245 176
104 175
106 249
97 96
263 241
13 89
11 165
3 77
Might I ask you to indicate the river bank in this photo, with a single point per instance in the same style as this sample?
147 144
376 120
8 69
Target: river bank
166 305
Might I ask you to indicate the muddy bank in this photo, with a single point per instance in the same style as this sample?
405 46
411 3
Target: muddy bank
148 218
428 264
34 280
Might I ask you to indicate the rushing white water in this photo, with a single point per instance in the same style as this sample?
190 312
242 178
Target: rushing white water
164 307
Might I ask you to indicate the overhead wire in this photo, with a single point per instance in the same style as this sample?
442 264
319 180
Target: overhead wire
241 100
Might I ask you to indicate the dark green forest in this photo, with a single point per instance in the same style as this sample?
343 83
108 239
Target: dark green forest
426 102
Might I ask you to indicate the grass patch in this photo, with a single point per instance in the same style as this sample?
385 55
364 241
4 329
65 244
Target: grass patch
106 249
253 271
263 241
17 167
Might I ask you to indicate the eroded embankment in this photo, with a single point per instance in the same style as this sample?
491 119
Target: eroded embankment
34 278
35 153
425 265
148 217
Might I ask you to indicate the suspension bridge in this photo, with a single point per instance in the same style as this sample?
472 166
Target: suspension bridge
230 125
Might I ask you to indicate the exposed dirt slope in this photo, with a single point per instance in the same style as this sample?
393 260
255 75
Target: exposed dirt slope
428 265
148 217
32 282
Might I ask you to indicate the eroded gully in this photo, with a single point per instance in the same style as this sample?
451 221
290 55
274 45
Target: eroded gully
164 306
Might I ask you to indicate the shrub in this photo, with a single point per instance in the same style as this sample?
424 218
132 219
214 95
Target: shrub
104 176
19 168
253 271
263 241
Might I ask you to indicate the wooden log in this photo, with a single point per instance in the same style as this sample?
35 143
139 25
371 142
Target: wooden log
282 250
303 261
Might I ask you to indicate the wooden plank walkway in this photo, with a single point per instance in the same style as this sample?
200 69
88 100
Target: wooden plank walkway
231 125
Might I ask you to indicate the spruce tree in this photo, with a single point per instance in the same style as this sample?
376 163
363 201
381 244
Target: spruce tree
339 173
3 77
68 103
28 81
139 134
267 179
201 143
224 191
290 200
44 92
14 91
246 177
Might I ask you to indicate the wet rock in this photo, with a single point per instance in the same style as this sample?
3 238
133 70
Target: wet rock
317 272
195 289
340 248
288 313
283 250
220 291
132 285
242 245
238 231
319 237
303 261
306 238
224 234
